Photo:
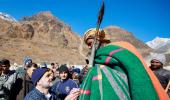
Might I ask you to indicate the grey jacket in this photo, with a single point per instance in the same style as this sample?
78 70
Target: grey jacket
163 75
6 84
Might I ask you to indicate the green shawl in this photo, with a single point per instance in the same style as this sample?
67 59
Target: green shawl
122 77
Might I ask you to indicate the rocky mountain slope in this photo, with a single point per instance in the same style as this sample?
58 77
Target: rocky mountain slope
46 38
43 37
161 45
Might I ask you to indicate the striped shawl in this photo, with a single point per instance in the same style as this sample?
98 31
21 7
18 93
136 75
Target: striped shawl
117 74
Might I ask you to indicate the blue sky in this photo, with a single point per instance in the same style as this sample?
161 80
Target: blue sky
146 19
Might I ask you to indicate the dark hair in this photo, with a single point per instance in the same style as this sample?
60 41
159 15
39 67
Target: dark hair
52 64
5 62
87 61
32 65
63 68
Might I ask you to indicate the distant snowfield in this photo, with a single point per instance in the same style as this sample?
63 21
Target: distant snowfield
158 42
161 47
7 17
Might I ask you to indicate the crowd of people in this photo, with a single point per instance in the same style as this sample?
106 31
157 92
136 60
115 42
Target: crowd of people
119 72
38 83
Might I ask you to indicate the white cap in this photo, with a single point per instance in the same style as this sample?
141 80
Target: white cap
158 56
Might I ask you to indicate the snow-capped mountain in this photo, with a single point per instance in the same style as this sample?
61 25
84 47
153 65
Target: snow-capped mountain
161 45
7 17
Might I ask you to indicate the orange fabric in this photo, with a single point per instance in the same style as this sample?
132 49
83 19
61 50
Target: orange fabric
160 91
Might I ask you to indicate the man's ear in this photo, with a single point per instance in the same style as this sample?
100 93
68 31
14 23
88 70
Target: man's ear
38 82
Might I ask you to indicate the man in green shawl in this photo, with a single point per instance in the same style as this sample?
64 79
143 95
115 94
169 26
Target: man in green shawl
117 73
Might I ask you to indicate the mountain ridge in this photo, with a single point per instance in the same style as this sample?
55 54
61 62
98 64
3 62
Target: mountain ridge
157 42
7 17
161 46
45 37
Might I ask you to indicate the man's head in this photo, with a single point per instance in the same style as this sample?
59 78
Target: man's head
57 73
63 72
57 65
30 68
52 64
75 73
156 64
157 61
42 77
53 67
27 60
102 36
5 64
